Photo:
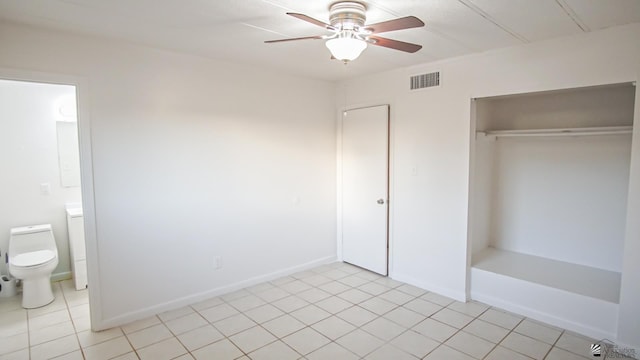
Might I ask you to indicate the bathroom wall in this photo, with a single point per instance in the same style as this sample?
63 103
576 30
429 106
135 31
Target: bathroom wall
193 159
29 113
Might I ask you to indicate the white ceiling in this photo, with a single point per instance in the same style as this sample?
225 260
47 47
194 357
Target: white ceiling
234 30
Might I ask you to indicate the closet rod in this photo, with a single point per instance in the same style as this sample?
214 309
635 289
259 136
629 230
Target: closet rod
610 130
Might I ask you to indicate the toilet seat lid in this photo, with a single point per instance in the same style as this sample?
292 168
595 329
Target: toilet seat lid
33 258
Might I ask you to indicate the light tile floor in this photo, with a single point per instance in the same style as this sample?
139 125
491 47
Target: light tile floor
332 312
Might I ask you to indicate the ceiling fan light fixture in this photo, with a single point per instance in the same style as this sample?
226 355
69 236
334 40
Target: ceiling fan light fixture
346 47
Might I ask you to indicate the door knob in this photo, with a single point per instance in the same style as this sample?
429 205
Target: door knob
380 201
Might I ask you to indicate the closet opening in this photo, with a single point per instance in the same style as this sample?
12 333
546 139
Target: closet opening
548 203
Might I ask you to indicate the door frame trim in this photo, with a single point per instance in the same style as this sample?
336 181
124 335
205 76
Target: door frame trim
86 173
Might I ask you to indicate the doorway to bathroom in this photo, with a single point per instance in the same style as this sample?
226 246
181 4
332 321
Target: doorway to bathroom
41 182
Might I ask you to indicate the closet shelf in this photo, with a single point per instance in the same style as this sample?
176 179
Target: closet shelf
584 131
574 278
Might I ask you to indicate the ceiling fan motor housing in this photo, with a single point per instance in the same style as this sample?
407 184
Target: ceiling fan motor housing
347 15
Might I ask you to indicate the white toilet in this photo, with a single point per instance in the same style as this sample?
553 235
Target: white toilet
33 256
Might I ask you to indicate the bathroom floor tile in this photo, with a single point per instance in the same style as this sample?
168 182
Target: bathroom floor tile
46 320
39 336
55 348
13 343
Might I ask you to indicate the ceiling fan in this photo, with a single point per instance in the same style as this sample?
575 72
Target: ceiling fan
349 34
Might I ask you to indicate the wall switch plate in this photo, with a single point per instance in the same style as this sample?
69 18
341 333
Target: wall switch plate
217 262
45 189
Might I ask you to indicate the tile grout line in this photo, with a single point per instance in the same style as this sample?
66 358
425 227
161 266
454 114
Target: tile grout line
73 323
554 344
374 297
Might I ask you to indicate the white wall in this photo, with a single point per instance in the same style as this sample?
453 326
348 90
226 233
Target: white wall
431 131
562 198
193 159
29 157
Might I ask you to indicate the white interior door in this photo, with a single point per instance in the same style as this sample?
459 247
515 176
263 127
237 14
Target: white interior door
365 164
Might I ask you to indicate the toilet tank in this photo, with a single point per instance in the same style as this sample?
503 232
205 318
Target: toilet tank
31 238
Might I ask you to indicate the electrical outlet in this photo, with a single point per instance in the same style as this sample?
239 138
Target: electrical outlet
217 262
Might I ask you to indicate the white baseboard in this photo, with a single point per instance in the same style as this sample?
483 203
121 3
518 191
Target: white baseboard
448 292
579 328
195 298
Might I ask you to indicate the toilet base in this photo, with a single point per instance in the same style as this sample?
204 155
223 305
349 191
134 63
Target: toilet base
36 292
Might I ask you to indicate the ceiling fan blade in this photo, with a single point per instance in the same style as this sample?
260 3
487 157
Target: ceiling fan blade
295 39
396 24
394 44
309 19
